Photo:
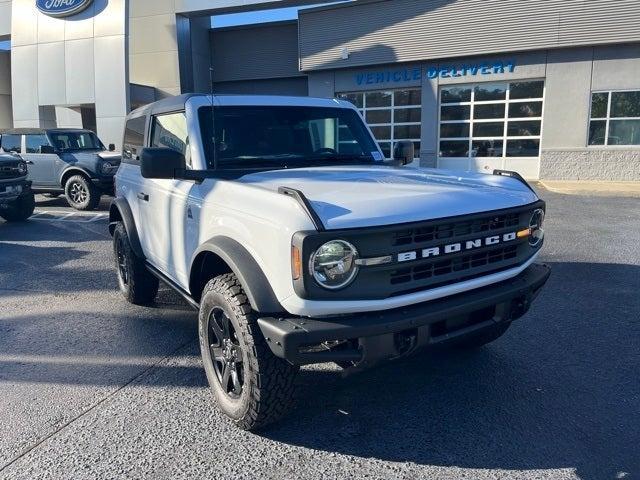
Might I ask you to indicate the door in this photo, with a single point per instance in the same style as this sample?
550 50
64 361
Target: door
165 212
42 166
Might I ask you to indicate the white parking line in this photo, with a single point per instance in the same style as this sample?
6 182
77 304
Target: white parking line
77 217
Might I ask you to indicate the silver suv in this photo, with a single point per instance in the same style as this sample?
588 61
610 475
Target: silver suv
65 161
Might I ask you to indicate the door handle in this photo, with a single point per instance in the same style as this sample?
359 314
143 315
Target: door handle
143 196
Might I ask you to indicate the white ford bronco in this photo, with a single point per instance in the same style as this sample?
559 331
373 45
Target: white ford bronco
281 222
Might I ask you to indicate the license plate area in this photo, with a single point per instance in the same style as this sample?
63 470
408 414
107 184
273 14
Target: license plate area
11 190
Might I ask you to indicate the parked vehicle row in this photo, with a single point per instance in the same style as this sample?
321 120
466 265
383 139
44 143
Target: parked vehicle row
280 221
73 162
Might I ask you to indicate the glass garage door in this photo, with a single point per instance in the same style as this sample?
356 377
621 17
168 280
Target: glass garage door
392 115
489 126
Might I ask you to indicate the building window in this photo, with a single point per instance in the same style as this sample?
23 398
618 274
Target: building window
392 115
615 118
491 120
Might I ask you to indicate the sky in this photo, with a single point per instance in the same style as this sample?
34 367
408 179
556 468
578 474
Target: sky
247 18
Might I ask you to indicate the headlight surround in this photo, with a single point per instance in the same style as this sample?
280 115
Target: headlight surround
22 168
333 265
536 227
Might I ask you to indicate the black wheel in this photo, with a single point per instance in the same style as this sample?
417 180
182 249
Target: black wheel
136 283
253 387
484 337
81 193
21 209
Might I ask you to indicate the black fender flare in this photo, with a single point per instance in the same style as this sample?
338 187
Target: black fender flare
255 283
120 211
74 170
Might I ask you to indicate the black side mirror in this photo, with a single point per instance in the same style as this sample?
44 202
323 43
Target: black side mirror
112 147
48 149
162 163
404 152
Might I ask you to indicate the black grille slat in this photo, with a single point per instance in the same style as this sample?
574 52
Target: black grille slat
453 231
9 170
465 263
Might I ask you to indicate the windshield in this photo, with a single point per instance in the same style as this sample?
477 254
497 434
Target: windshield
74 141
255 137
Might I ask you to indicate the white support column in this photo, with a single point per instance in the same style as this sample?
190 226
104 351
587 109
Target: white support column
68 117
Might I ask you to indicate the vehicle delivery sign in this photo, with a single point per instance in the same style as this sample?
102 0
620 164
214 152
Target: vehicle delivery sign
62 8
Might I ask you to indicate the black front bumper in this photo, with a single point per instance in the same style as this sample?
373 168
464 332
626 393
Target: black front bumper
368 338
7 199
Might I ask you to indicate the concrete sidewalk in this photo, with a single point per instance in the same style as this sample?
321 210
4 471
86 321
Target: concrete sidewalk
592 187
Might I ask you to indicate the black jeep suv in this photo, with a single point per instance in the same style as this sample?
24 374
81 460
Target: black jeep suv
70 161
16 198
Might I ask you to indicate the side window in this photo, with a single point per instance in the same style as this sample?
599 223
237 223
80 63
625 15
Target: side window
33 143
11 143
133 138
170 131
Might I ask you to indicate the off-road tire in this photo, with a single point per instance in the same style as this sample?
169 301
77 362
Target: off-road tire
268 381
21 210
81 193
484 337
137 284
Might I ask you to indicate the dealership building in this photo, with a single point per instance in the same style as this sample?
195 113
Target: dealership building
548 88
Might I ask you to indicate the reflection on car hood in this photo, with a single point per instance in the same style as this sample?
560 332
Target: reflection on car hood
353 197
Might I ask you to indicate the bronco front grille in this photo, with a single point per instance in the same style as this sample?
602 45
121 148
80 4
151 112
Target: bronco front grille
9 171
452 231
461 265
411 269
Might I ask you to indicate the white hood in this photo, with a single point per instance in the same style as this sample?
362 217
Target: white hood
352 197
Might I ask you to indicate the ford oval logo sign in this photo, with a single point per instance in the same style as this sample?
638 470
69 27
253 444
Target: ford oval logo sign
62 8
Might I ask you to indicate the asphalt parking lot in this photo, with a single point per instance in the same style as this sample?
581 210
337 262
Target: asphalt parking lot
91 387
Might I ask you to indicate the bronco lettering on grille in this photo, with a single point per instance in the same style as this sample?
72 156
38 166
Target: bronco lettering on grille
457 247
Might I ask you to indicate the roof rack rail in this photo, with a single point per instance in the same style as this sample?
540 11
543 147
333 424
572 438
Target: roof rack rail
305 204
516 175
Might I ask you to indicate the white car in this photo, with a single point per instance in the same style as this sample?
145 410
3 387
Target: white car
279 219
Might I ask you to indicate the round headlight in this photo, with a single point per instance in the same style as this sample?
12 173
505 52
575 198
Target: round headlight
22 168
106 166
333 265
535 226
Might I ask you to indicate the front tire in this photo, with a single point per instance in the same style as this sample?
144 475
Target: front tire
81 193
137 284
252 386
21 210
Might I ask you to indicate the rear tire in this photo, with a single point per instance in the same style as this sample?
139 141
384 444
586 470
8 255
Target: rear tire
21 210
484 337
252 386
81 193
137 284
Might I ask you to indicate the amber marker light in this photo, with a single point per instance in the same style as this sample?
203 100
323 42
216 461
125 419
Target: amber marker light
524 233
296 263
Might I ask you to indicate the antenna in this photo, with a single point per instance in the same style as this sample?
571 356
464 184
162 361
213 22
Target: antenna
213 122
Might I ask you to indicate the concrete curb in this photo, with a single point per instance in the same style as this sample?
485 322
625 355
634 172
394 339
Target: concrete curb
588 187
